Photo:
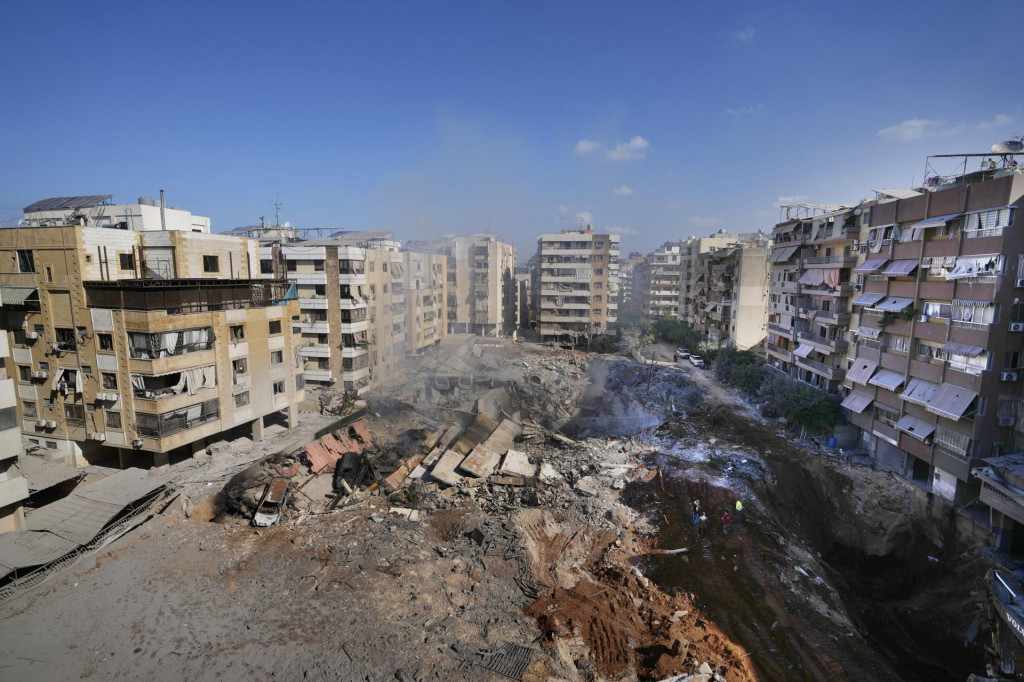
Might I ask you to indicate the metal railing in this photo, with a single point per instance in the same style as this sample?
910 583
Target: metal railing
170 423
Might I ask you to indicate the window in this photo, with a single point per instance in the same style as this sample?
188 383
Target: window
49 273
113 420
242 399
52 444
26 263
237 332
319 289
65 338
385 288
86 369
278 387
239 366
598 271
899 344
106 341
211 263
74 415
1012 360
292 266
126 261
266 266
109 380
24 373
143 346
275 326
276 357
384 267
318 265
28 409
372 264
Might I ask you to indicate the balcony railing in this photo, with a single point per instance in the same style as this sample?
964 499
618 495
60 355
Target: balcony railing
183 296
170 423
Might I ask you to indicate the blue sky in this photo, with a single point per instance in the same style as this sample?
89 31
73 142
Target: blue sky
657 119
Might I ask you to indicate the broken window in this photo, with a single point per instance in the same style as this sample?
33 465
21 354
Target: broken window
278 387
26 262
170 423
237 332
74 415
109 380
242 399
239 367
28 409
276 357
144 346
66 339
113 420
106 341
159 386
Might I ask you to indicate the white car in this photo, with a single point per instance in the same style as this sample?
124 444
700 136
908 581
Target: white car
697 361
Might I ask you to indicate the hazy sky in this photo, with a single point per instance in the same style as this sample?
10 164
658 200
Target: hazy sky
654 119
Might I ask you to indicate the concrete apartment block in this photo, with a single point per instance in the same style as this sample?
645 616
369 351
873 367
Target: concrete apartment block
100 211
426 291
139 346
656 280
732 298
13 486
576 285
689 258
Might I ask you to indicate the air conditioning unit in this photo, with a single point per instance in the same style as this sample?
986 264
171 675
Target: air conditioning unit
41 423
96 436
1017 326
50 424
1019 283
40 374
922 318
32 335
1007 420
1008 376
106 397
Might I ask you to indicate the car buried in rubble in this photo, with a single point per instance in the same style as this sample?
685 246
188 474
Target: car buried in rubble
270 510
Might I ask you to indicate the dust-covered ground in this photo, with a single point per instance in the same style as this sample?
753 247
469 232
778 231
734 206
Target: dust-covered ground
557 579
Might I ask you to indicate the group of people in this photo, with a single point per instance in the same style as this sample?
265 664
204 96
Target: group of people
700 519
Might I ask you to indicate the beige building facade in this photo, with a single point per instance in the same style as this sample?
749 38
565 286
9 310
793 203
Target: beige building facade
137 347
732 294
690 269
13 485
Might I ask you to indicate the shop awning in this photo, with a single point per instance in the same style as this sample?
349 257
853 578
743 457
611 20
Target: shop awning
894 304
887 378
919 391
784 254
869 332
857 402
871 265
963 349
813 277
937 221
900 268
918 428
861 371
868 299
951 401
11 296
803 350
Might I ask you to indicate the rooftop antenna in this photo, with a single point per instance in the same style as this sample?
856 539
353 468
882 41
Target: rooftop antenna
277 212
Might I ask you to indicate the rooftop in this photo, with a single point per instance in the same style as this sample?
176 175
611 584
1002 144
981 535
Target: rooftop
66 203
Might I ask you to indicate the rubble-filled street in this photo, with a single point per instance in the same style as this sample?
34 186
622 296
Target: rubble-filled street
511 511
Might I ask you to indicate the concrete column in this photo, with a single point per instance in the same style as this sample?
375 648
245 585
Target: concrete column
293 416
160 459
124 457
257 429
199 449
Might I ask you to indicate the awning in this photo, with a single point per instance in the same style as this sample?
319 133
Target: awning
887 378
951 401
919 391
900 268
813 277
871 265
918 428
963 349
969 303
803 350
784 254
868 299
709 308
894 304
869 332
857 402
786 229
11 296
861 371
937 221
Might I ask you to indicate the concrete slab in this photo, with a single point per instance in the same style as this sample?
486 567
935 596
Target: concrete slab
444 470
517 464
481 462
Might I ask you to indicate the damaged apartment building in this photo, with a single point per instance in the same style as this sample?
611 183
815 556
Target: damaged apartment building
363 305
910 308
731 293
654 281
576 285
135 346
481 282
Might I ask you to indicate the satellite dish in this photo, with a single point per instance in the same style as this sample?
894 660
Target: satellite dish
856 211
1008 147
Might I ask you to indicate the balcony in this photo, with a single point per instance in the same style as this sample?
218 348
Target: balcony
824 345
311 326
184 419
779 352
787 287
314 351
184 296
830 317
315 303
840 260
779 329
832 373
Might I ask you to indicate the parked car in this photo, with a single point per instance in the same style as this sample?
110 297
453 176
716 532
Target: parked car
681 354
697 361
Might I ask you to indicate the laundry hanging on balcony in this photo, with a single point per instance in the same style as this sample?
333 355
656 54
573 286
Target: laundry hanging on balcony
975 266
64 383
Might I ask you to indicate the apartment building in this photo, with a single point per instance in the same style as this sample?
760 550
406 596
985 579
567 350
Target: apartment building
813 284
426 292
99 211
627 279
731 295
524 279
138 346
656 280
481 283
576 284
690 268
13 485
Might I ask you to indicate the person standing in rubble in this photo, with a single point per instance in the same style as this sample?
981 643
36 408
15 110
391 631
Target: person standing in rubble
739 511
726 523
702 526
696 511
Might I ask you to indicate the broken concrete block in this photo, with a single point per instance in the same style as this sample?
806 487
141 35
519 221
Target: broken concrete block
501 479
588 485
481 462
417 473
548 474
444 470
516 463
